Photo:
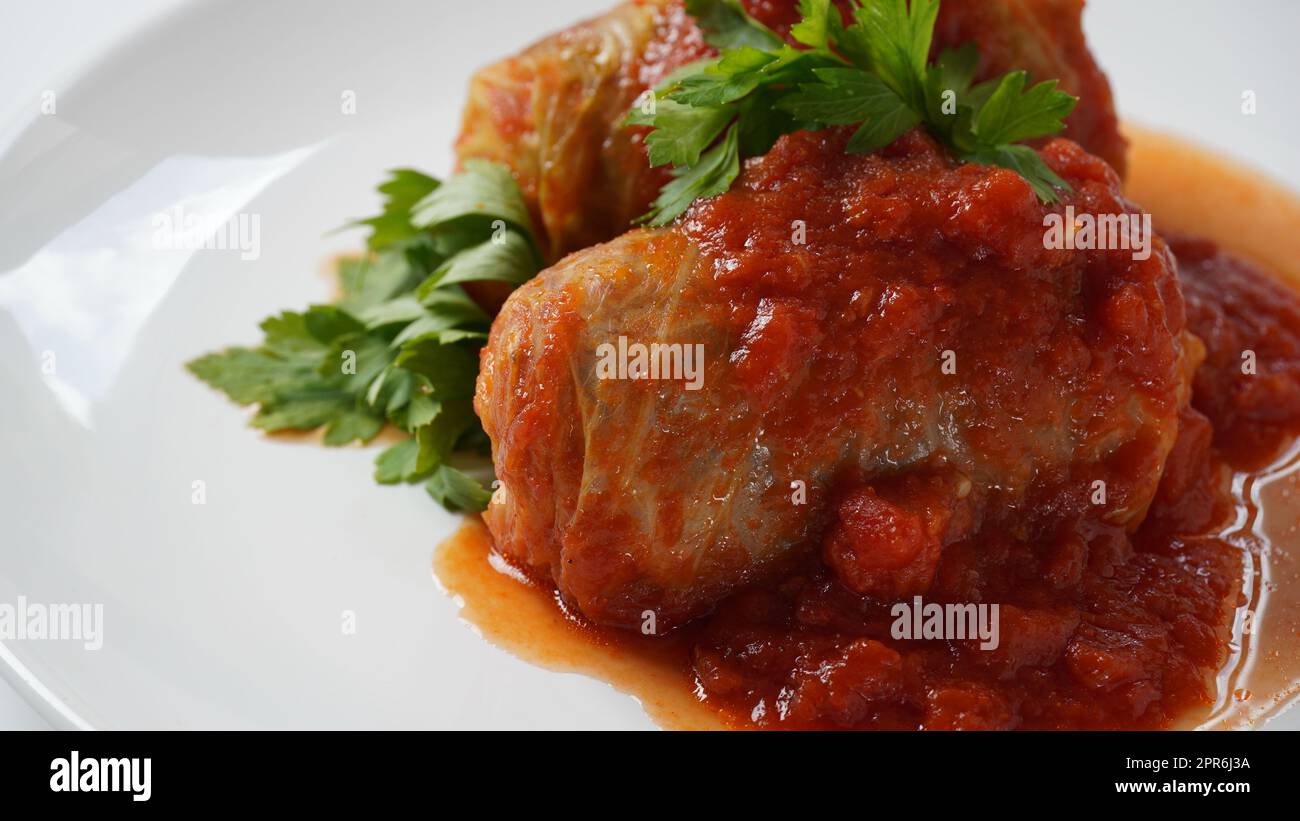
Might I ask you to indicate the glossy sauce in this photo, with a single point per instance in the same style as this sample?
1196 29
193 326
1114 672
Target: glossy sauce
527 618
1261 671
1253 217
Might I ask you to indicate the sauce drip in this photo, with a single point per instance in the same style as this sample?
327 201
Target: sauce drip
527 618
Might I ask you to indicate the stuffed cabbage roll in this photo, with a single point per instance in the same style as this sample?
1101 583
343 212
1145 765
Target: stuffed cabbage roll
555 113
871 356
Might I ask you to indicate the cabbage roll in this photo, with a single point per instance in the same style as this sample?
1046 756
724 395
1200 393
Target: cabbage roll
872 356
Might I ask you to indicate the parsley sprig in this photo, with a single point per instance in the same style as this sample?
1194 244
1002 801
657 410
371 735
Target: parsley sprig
874 73
400 347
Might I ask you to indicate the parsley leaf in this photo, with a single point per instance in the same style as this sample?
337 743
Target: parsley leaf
251 376
735 75
485 191
820 25
683 131
842 96
508 257
712 175
727 25
1013 114
881 130
398 463
894 37
400 348
403 190
456 490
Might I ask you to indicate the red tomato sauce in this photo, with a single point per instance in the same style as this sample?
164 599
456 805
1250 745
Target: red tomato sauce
1249 321
1099 630
1101 625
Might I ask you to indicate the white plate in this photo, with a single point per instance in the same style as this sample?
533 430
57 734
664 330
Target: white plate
229 614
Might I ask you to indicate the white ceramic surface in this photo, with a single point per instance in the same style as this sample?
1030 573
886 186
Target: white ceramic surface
229 614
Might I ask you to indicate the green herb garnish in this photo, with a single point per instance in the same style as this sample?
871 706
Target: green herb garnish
401 346
874 73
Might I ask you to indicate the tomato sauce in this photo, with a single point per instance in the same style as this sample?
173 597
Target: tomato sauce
1100 627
